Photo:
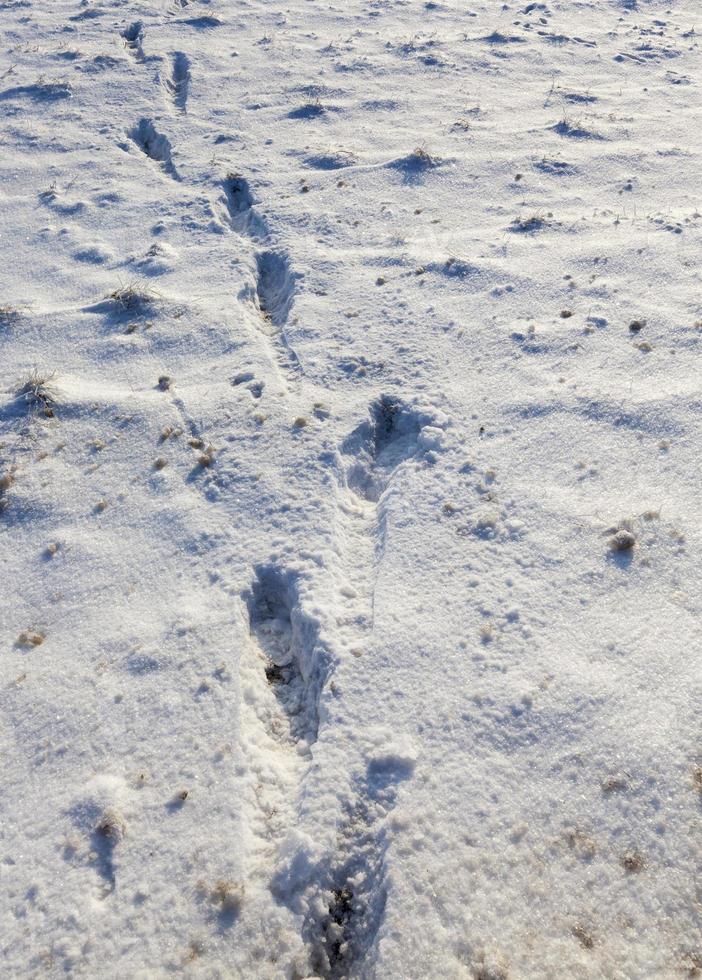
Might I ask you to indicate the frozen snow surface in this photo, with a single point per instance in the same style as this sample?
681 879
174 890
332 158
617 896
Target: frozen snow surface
350 428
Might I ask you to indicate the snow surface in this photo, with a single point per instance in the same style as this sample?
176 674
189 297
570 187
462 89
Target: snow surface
345 347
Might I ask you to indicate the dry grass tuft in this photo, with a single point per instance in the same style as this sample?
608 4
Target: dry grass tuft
133 295
583 936
633 862
623 540
6 481
529 224
421 157
228 895
30 638
38 391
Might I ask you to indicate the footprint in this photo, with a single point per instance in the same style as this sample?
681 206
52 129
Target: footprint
248 379
573 130
310 110
178 84
39 92
275 293
240 210
357 892
155 145
286 642
555 168
202 23
93 254
498 38
333 160
578 97
274 286
380 445
133 39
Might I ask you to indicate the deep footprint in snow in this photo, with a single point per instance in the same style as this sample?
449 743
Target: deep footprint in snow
178 84
275 291
287 643
380 445
155 145
274 286
240 210
357 892
133 39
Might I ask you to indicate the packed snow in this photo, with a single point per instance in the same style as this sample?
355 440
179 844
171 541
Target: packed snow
350 518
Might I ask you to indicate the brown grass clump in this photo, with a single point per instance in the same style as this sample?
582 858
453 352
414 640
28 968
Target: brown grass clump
226 895
30 638
622 540
6 481
207 458
421 157
133 295
633 861
583 936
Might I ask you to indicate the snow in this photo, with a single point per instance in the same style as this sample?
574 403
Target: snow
349 489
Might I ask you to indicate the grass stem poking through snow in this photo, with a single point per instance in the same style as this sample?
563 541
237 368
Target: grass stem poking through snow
37 390
133 295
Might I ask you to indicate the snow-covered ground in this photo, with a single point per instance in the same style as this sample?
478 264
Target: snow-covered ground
343 345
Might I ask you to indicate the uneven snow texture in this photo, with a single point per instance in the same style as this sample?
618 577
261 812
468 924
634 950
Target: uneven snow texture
350 521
